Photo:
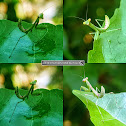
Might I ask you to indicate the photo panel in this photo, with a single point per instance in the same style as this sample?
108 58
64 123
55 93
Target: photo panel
31 31
93 31
86 105
31 94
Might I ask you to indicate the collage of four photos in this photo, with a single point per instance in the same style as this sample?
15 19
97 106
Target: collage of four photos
62 63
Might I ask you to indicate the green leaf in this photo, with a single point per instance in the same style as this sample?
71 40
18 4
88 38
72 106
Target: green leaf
43 108
111 46
109 110
39 44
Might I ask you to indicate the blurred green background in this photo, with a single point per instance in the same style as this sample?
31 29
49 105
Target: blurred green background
77 41
12 75
111 76
28 10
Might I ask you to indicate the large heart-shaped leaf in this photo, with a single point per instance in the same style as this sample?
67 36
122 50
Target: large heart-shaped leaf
111 46
110 110
43 108
42 43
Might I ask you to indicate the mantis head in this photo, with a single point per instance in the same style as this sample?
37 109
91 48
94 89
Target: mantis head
33 82
85 79
41 16
87 22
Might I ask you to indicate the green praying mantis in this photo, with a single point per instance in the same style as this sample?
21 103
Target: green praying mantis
109 101
23 97
95 92
30 90
26 31
90 88
34 24
99 29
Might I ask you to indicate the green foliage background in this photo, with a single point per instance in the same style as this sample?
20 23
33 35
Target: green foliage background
9 73
9 10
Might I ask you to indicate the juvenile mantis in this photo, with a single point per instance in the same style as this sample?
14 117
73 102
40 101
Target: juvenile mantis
35 24
97 29
99 95
95 92
30 90
90 88
23 97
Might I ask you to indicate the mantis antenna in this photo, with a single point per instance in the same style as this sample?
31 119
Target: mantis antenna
77 17
87 12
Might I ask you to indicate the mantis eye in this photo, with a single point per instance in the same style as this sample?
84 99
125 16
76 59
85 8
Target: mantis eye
84 23
89 19
87 22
